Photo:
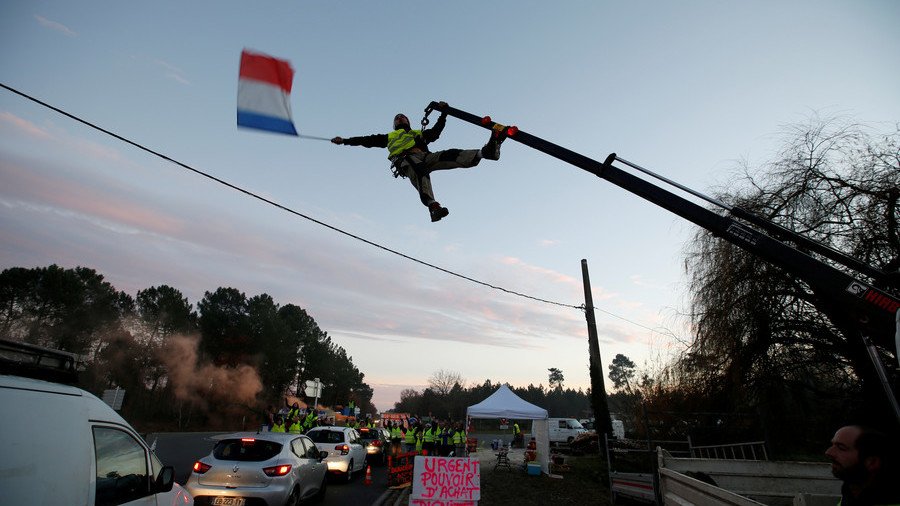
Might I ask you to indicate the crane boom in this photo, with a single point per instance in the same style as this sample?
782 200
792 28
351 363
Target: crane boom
870 311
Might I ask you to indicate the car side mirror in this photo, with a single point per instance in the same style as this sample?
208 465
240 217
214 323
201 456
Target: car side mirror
323 455
165 480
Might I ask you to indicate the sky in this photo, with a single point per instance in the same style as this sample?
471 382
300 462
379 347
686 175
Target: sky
690 90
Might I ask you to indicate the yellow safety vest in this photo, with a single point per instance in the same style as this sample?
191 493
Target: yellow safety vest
296 428
396 433
401 140
458 437
410 436
429 436
278 428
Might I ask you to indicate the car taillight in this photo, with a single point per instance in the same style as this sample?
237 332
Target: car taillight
200 467
344 449
277 470
377 442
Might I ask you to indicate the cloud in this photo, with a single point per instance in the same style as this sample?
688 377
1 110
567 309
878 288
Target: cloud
82 198
53 25
547 243
172 72
541 271
8 119
638 280
59 137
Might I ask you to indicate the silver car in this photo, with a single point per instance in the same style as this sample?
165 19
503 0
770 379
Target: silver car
248 468
346 451
378 443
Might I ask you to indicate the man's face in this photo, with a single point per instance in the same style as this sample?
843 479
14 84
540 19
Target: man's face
401 121
843 454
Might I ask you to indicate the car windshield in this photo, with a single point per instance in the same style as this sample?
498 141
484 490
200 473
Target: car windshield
247 450
326 436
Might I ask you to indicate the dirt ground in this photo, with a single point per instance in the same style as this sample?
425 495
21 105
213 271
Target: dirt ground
582 481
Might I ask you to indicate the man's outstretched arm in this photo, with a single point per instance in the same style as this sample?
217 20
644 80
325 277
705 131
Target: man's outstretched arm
368 141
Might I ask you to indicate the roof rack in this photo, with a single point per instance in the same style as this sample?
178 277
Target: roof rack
33 361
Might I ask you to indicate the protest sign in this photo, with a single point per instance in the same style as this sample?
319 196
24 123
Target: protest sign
445 481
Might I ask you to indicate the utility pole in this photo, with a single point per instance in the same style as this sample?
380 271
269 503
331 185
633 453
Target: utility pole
598 385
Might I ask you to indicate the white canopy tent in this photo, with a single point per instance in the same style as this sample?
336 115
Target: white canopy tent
505 404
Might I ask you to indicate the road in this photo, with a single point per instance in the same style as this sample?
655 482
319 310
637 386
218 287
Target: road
182 449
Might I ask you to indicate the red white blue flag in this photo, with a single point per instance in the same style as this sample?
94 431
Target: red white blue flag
264 92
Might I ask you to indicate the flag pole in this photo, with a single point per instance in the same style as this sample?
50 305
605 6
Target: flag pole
313 137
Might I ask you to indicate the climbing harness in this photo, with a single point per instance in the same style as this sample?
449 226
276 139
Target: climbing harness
395 163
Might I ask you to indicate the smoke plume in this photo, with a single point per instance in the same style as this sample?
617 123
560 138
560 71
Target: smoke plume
192 381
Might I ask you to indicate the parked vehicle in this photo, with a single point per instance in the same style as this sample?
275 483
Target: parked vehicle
564 430
272 468
377 441
63 446
346 451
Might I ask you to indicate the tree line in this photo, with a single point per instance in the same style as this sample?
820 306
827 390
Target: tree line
447 397
218 365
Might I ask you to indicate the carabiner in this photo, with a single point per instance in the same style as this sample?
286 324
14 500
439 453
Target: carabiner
425 120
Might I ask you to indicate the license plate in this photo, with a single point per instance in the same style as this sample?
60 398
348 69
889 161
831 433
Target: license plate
228 501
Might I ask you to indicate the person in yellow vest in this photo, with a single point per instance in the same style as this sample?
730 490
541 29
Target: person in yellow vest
396 437
517 435
420 438
410 158
310 421
279 425
438 431
409 440
296 427
428 440
459 440
293 411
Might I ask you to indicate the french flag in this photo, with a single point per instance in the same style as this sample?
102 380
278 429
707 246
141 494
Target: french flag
264 92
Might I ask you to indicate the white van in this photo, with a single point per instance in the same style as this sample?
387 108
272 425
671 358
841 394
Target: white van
63 446
564 430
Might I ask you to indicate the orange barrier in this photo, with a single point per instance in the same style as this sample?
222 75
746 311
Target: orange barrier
471 445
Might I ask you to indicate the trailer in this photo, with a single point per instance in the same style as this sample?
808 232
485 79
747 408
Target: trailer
687 481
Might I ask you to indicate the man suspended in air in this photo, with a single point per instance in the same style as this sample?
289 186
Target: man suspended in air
410 158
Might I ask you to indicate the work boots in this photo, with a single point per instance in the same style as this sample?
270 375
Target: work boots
491 150
437 212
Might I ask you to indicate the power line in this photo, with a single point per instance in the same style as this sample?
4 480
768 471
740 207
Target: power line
309 218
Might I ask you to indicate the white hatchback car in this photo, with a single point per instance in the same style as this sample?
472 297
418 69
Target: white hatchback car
346 451
274 468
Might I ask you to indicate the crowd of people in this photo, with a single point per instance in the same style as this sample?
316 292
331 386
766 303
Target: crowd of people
442 438
435 437
298 420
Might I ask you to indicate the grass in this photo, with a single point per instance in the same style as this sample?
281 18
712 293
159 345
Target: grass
584 483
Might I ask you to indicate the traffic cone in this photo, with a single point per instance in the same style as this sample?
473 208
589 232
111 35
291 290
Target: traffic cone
368 475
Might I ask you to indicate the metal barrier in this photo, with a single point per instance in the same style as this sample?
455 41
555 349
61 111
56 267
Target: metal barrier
753 450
